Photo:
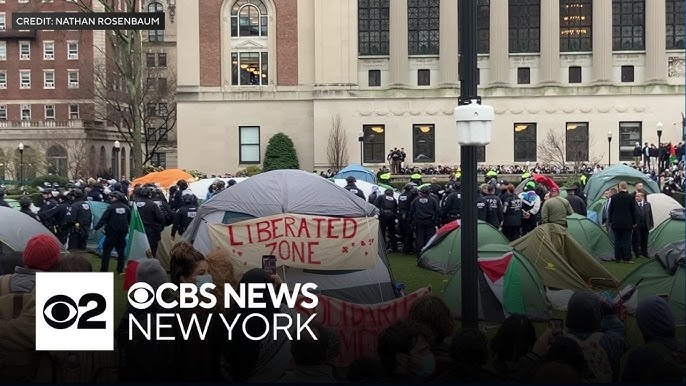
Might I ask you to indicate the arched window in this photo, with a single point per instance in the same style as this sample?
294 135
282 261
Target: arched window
249 18
122 160
423 21
248 38
156 35
372 27
57 160
102 162
628 25
525 26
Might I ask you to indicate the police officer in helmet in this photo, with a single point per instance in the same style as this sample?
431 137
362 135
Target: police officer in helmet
405 222
388 214
352 188
79 218
424 212
115 219
151 215
184 216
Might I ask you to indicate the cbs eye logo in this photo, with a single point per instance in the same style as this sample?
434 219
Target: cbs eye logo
141 295
61 312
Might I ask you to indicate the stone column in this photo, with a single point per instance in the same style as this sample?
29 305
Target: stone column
449 53
399 61
602 42
656 31
550 43
499 55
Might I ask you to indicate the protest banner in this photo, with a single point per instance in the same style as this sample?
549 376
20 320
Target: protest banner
300 241
359 325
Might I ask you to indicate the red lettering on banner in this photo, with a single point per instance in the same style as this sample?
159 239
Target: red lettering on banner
319 222
289 222
249 235
263 233
303 226
330 228
232 241
346 223
310 253
275 228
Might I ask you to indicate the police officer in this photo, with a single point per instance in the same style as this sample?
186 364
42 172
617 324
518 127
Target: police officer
481 206
158 198
78 219
115 219
176 201
49 202
96 193
220 186
424 212
56 217
512 216
405 222
452 208
372 197
2 197
184 216
352 188
416 177
388 214
25 207
494 207
152 217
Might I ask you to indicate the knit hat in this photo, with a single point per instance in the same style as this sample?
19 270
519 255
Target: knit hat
42 252
655 318
150 271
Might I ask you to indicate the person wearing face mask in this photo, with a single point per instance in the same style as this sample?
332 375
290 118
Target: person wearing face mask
405 353
196 359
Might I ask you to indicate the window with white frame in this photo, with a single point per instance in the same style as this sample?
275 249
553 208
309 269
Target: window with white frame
249 22
48 50
3 50
74 111
24 50
49 112
2 21
249 144
249 68
156 35
73 76
72 50
24 78
3 112
48 78
25 112
3 79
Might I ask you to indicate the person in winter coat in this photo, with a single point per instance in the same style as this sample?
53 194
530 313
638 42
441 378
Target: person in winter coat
152 217
424 212
352 188
184 216
577 203
388 214
512 214
25 207
494 207
79 219
115 219
531 206
42 253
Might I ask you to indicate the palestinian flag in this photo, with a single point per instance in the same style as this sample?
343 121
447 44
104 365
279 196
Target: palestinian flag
137 247
501 273
440 234
672 154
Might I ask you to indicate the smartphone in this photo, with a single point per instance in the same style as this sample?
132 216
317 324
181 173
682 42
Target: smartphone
269 264
557 326
664 296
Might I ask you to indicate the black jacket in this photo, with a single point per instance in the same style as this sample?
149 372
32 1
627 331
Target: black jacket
115 219
404 201
355 190
494 210
453 204
183 218
151 215
95 194
577 203
512 206
645 215
424 209
29 212
388 206
166 210
622 211
57 215
80 213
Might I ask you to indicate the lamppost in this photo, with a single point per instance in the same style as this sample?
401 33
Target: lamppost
115 169
21 165
360 137
609 148
659 148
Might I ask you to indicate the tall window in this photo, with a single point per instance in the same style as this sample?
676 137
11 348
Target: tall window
424 143
575 25
483 25
576 142
156 35
3 112
628 25
423 26
525 25
525 142
481 154
374 144
159 159
250 68
57 160
49 112
372 27
249 144
25 112
629 134
249 18
675 24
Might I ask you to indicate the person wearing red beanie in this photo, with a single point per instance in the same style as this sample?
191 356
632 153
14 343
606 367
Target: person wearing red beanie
42 253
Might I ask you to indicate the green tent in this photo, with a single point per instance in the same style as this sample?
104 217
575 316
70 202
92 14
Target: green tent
508 284
442 252
597 209
591 236
14 204
662 275
667 232
562 262
609 177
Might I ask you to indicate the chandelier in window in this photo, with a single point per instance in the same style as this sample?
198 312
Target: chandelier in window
574 15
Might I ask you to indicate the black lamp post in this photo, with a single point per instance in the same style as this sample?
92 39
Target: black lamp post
21 165
609 148
659 148
116 149
360 137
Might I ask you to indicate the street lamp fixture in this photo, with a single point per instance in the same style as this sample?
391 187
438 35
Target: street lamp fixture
609 148
21 165
115 168
659 147
360 137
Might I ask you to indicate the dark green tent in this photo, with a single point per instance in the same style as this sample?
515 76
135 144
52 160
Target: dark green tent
508 284
442 252
591 236
667 232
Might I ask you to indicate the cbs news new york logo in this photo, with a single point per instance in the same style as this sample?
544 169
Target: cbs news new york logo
74 311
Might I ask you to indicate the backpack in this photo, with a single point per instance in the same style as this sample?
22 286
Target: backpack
597 360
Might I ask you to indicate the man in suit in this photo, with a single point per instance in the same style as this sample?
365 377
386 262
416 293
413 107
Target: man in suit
605 217
623 216
644 225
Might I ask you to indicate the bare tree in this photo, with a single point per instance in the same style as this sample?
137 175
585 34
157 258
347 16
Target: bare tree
554 150
33 159
337 147
136 100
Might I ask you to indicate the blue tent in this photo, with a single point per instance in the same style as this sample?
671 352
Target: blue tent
359 172
97 208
